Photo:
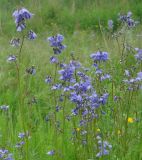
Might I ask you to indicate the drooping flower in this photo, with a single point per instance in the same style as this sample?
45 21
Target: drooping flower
20 15
32 35
15 42
11 58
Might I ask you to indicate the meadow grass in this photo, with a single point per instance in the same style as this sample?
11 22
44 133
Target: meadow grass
32 103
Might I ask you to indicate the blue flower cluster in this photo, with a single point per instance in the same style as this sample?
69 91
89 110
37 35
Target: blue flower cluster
5 155
127 19
22 136
99 56
20 16
56 43
104 147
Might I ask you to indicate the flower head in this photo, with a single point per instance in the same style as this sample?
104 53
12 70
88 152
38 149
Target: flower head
99 56
51 153
138 56
56 43
20 16
4 107
11 58
32 35
130 120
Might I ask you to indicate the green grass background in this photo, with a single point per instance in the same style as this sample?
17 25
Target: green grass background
78 21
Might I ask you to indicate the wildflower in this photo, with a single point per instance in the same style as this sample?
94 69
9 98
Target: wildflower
77 129
5 155
127 73
103 98
138 56
130 120
11 58
31 70
4 107
48 79
58 108
67 74
104 77
127 19
75 98
15 42
21 135
104 147
20 144
51 153
20 16
139 76
56 43
32 35
99 56
56 87
110 24
53 59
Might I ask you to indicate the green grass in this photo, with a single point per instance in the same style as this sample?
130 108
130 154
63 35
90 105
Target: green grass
18 88
67 15
127 145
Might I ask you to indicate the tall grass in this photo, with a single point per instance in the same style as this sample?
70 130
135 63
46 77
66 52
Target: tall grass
32 103
67 15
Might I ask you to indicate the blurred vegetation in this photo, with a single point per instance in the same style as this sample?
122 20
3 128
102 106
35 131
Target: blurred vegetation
67 15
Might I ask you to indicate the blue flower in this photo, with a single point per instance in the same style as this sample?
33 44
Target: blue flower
103 146
5 155
31 70
11 58
110 24
127 19
20 16
56 43
48 79
51 153
99 56
75 98
104 77
138 56
53 59
21 135
20 144
4 107
15 42
56 87
32 35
